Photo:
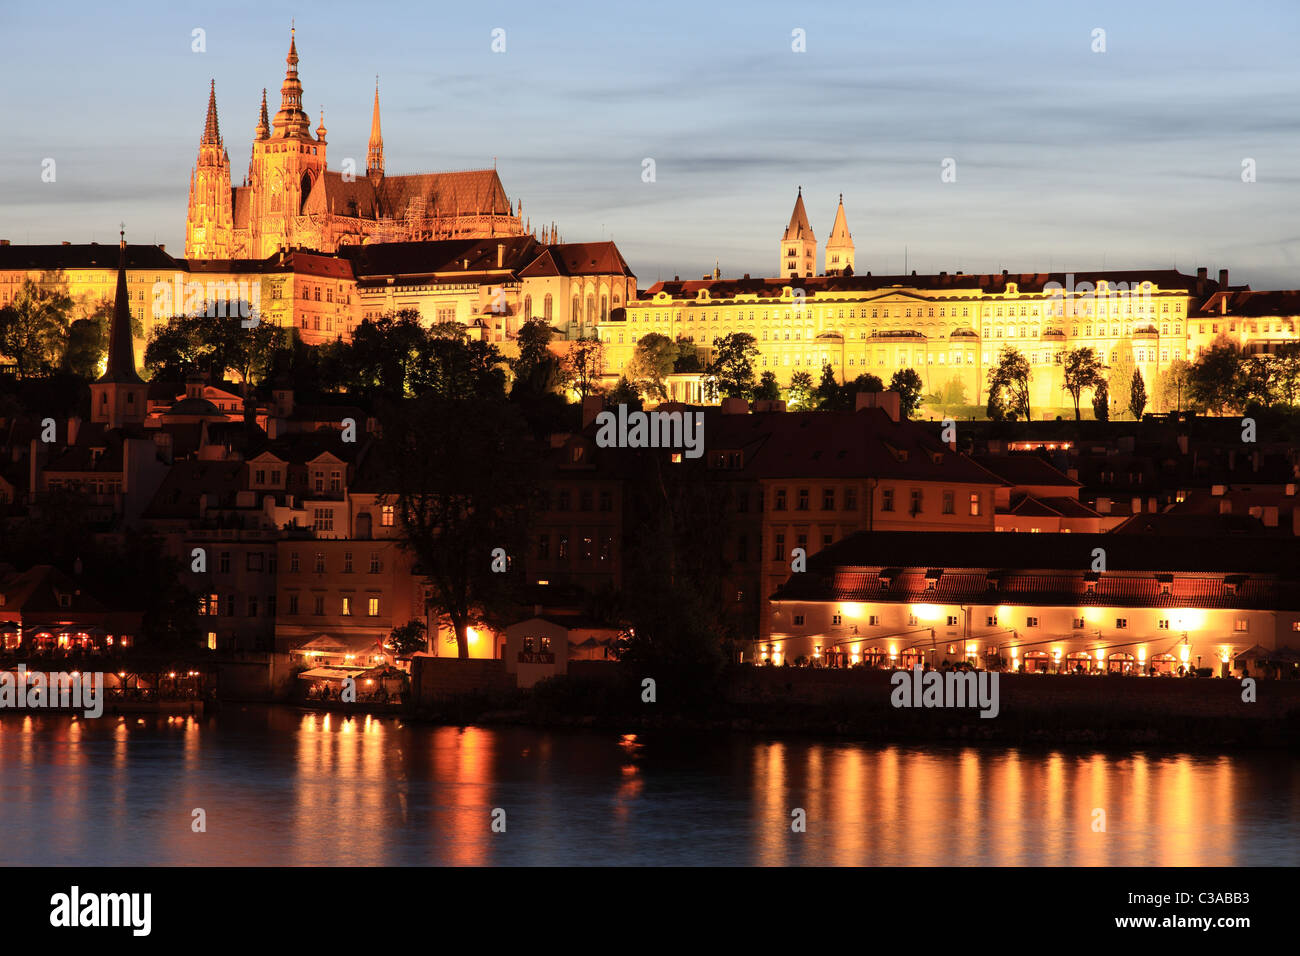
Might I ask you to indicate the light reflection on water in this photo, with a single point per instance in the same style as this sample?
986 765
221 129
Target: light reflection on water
281 786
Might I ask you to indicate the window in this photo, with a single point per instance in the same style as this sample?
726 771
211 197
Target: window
293 561
1031 622
319 605
1121 623
803 500
1163 624
952 620
320 562
850 499
347 562
916 501
873 620
293 604
347 607
253 561
798 620
386 516
780 500
223 563
375 564
779 553
828 499
1077 624
543 547
563 548
887 499
912 620
991 621
1241 625
836 620
949 506
323 519
372 607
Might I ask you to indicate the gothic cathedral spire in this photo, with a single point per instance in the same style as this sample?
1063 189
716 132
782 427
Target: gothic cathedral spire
291 122
375 155
209 224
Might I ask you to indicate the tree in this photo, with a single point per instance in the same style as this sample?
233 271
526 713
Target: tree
1256 383
828 394
536 370
625 393
87 346
997 406
653 360
449 364
582 366
1137 398
799 393
407 639
1174 384
1212 380
732 368
954 392
461 473
907 383
1101 401
1119 380
1012 376
1082 369
688 357
767 389
1286 369
34 328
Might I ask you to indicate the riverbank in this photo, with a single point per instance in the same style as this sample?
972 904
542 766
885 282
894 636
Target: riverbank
1054 710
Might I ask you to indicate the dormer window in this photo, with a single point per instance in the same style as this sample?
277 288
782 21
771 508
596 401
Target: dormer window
578 452
65 600
1090 579
1165 583
932 577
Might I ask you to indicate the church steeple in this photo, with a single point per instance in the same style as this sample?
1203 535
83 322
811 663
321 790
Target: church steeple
208 223
798 245
118 397
375 155
839 247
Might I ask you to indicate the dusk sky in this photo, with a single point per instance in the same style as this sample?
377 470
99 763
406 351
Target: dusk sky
1065 158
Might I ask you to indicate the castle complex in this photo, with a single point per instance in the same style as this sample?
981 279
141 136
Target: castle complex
292 199
951 327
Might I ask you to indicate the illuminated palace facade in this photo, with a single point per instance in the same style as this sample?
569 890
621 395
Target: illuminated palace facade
292 199
1013 602
951 327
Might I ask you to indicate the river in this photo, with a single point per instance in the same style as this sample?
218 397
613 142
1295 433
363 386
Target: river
279 786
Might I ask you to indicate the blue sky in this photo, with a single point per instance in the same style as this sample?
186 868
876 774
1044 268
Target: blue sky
1066 158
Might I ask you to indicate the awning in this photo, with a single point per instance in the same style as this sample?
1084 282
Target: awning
329 644
332 673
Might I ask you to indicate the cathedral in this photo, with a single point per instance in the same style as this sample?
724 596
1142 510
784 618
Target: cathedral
292 199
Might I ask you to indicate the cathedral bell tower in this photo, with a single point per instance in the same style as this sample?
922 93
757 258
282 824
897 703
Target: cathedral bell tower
839 247
209 224
288 163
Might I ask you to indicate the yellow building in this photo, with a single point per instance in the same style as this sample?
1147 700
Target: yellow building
949 327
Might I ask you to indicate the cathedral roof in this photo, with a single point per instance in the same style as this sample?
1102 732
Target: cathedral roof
578 258
469 192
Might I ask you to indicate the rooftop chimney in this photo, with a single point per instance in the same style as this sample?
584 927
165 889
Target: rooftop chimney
886 401
1223 278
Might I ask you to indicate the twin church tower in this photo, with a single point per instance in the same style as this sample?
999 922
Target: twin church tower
799 245
292 199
